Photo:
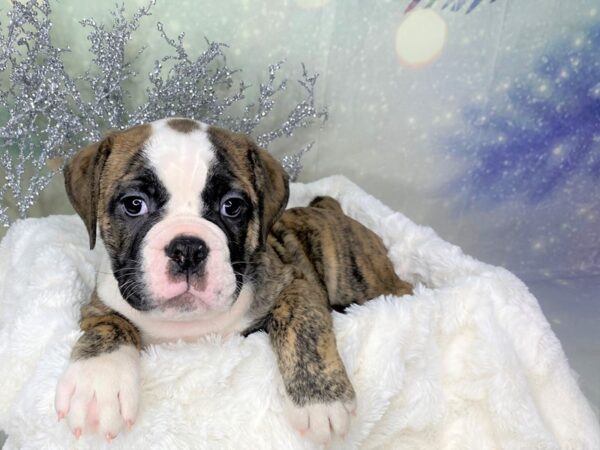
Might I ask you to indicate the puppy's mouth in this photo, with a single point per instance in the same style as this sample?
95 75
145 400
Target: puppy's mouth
189 300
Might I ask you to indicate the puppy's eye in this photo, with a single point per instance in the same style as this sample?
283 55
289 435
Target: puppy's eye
232 206
135 206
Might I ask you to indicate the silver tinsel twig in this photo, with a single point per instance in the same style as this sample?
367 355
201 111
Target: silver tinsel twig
293 163
48 113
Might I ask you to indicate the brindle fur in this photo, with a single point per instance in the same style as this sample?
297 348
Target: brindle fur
304 262
92 175
183 125
334 261
104 331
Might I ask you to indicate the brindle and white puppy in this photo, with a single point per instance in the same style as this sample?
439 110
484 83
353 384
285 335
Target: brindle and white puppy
196 241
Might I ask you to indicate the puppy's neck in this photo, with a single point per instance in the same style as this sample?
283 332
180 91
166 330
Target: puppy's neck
156 329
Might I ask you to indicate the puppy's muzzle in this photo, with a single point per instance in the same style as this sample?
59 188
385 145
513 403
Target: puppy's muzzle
186 267
187 255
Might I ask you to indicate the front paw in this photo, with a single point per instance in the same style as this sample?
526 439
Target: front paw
100 394
321 422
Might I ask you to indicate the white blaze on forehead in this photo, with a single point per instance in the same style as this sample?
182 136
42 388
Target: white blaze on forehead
181 162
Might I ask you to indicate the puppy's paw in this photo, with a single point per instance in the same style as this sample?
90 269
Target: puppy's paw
100 394
321 422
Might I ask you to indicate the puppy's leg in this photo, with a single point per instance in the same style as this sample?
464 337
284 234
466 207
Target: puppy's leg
320 397
99 390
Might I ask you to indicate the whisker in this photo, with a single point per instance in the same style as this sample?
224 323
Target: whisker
126 286
250 263
119 273
130 290
122 269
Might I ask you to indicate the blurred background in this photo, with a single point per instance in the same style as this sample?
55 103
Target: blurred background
478 118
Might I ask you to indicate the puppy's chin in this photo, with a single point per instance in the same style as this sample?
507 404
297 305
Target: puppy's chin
188 306
186 302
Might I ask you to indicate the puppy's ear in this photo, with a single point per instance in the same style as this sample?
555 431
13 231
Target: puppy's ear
274 186
82 181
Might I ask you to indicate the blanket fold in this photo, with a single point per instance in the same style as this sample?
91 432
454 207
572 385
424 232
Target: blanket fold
469 361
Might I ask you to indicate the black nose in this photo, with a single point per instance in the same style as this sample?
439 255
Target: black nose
187 252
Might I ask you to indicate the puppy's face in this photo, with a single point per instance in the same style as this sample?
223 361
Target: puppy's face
183 210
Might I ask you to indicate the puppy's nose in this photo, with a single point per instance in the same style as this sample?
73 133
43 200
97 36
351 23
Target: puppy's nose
188 253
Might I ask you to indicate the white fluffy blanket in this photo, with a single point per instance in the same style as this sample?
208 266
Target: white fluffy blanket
467 362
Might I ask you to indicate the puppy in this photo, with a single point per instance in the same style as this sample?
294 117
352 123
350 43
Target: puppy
196 240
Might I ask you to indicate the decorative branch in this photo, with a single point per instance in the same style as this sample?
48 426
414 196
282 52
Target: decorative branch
47 113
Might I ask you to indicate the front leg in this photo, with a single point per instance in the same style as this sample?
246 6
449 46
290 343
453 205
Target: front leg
99 391
320 397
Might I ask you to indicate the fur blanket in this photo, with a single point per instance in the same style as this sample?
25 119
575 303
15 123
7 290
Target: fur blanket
468 361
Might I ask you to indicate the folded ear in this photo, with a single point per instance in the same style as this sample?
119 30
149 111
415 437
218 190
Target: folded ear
82 181
274 186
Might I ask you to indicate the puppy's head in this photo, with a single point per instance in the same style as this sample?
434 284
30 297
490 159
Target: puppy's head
183 210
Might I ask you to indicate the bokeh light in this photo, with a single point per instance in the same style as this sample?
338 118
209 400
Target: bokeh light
420 38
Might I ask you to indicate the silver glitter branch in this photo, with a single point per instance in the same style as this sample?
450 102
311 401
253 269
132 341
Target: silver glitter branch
39 105
112 68
293 163
301 114
46 113
190 88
